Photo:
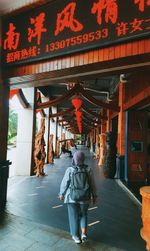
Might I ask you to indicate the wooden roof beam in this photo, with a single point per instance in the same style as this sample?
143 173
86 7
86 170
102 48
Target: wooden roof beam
94 114
70 110
96 102
22 99
61 99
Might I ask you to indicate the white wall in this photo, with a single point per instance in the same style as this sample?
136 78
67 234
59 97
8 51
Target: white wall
24 135
53 127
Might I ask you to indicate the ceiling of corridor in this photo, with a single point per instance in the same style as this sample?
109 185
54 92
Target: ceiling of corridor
101 89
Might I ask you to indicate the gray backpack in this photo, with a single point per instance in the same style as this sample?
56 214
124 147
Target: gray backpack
80 189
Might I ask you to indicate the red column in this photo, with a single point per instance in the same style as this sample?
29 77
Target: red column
121 121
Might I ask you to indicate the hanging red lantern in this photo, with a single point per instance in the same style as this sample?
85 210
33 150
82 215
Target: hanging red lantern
79 119
80 129
13 93
78 114
80 126
77 103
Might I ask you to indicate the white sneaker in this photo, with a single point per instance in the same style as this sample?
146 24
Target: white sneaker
76 239
83 237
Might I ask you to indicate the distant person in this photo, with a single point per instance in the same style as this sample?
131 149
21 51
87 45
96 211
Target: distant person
77 189
65 150
72 143
73 146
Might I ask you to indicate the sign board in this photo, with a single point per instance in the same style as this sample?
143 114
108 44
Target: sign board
65 27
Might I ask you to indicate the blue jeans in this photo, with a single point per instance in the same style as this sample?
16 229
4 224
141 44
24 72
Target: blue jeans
77 214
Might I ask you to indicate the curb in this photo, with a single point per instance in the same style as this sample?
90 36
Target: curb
131 195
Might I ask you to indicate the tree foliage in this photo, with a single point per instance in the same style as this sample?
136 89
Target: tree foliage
12 127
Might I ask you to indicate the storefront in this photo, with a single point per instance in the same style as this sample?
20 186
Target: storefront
63 42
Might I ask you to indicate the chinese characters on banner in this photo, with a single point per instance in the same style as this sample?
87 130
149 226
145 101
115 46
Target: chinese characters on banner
12 38
67 26
38 28
66 19
111 10
142 4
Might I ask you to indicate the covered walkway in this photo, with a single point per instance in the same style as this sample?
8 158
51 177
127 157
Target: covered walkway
37 220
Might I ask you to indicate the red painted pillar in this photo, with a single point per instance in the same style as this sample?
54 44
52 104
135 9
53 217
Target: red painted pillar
121 121
108 121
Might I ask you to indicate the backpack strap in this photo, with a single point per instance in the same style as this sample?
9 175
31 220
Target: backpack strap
76 169
84 168
81 167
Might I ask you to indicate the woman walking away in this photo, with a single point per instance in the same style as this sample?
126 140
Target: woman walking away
77 189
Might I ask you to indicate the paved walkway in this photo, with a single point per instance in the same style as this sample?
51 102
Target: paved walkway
36 220
19 234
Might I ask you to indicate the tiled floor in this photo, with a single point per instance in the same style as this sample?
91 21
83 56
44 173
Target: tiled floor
19 234
37 220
